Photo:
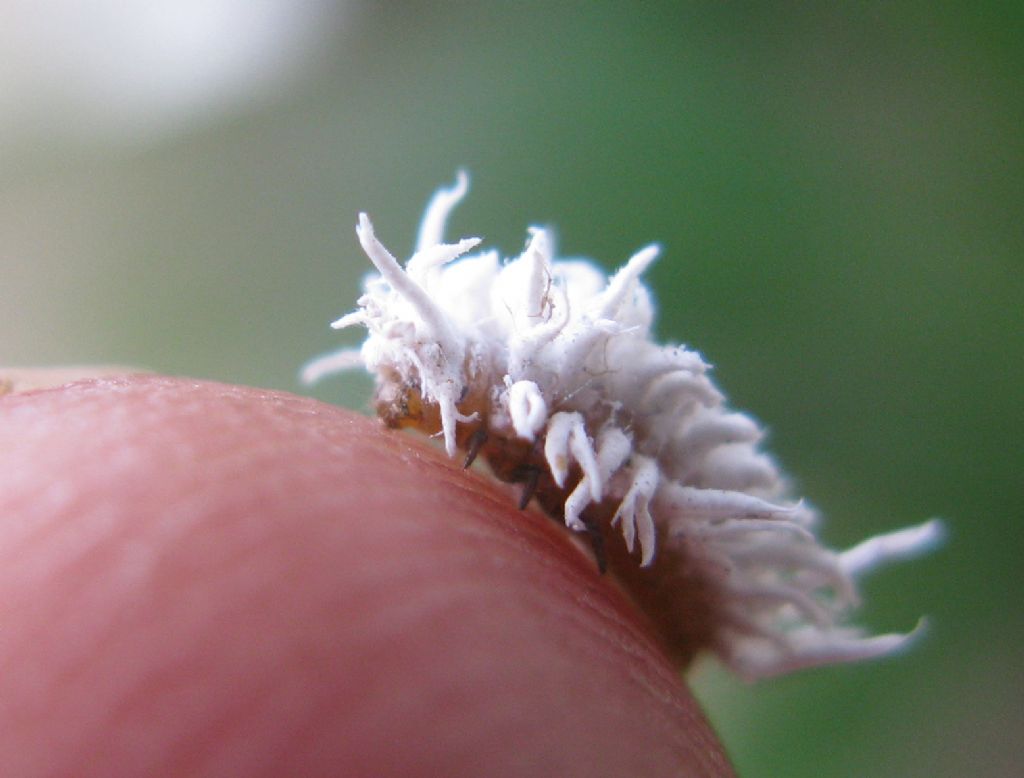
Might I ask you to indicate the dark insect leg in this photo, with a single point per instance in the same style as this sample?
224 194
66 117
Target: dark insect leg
531 476
476 442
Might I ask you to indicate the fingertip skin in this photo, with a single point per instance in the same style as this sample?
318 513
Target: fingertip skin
198 578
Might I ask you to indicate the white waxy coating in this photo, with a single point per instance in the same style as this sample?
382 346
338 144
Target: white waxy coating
527 408
567 359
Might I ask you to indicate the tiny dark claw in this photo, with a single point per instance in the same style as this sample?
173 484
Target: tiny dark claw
476 442
529 487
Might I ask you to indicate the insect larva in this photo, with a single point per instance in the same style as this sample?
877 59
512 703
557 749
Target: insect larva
547 370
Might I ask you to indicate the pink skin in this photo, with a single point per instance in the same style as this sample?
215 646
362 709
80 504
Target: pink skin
217 580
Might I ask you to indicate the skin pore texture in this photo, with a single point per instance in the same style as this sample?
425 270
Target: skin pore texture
198 578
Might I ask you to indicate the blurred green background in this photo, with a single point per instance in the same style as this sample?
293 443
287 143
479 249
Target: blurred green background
838 189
